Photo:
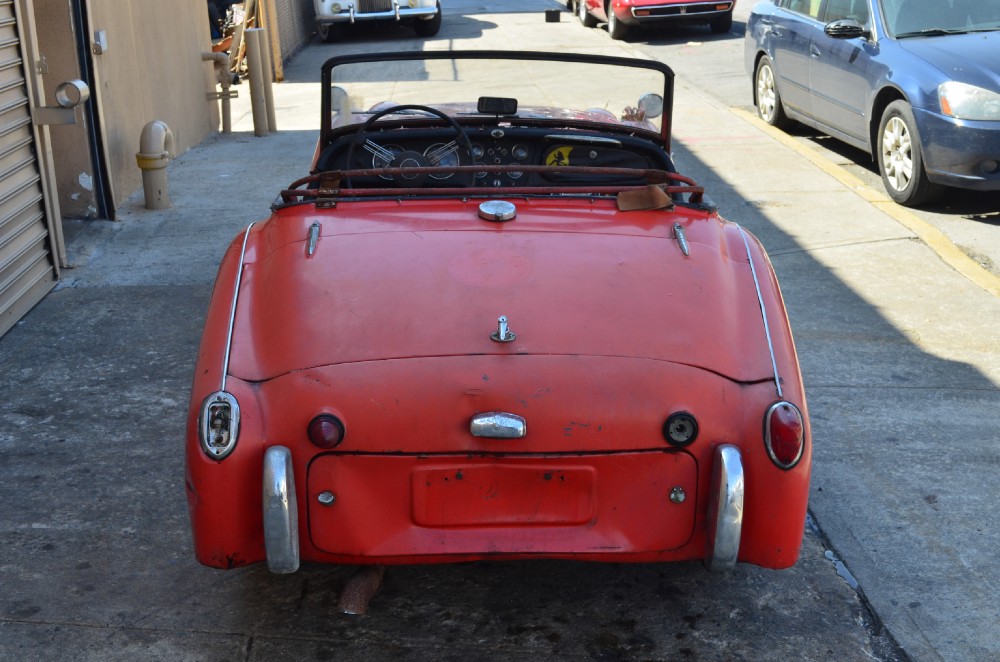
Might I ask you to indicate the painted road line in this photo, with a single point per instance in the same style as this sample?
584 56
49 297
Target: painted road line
933 238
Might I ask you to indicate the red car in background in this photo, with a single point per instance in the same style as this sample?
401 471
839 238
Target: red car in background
623 15
487 326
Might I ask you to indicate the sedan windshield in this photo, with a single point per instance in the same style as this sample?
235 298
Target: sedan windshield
916 18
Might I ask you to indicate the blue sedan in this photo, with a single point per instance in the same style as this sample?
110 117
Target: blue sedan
916 83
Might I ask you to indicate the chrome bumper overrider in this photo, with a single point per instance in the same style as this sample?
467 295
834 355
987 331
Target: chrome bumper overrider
725 509
281 521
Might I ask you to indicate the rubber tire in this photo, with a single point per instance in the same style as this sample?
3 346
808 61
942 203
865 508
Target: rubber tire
917 189
429 28
723 24
588 19
616 28
330 33
776 117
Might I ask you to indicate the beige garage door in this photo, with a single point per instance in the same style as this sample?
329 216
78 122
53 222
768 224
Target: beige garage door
27 270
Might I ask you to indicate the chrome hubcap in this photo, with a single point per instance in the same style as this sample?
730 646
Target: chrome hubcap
766 97
897 154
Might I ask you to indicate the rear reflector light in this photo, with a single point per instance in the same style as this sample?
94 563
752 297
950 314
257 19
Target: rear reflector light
326 431
784 434
680 428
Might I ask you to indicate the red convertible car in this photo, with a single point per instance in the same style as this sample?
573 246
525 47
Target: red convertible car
495 322
623 15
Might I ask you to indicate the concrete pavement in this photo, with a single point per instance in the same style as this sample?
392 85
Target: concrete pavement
899 355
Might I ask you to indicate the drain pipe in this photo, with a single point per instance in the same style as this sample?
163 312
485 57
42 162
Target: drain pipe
221 61
156 144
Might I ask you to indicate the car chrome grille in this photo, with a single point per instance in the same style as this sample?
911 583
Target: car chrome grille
373 6
683 10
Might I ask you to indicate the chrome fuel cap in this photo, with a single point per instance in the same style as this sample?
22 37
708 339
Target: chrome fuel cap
497 210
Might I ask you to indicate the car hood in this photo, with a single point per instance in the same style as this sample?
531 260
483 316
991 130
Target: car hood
968 58
572 279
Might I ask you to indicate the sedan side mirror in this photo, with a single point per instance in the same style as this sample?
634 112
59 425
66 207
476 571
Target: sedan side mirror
846 28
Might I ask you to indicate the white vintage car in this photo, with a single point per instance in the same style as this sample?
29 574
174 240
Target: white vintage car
333 16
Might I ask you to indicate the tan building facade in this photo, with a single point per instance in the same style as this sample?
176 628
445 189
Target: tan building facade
143 61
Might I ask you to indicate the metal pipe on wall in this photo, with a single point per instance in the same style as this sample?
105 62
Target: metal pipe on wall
221 62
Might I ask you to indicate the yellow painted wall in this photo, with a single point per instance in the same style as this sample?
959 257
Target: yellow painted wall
152 70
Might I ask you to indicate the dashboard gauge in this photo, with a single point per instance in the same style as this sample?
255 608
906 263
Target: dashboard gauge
383 155
443 154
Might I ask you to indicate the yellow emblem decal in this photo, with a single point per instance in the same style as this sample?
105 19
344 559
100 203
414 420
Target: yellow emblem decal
559 156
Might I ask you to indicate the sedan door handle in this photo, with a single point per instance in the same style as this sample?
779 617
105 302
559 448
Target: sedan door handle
813 51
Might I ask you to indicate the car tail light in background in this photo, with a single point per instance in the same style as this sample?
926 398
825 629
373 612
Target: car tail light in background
784 434
219 424
326 431
680 428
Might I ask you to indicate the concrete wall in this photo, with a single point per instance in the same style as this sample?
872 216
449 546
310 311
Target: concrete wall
152 70
296 24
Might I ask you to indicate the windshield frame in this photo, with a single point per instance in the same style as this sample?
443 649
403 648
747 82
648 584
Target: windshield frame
327 132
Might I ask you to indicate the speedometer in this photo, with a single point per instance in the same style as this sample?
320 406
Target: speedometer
444 155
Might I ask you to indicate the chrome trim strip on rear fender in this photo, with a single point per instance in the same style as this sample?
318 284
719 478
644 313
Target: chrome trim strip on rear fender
281 520
763 313
232 310
725 509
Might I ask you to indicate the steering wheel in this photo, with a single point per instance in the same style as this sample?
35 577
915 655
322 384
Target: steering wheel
393 157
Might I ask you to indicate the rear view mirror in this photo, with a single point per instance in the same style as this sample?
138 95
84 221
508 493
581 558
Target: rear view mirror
651 105
845 28
497 106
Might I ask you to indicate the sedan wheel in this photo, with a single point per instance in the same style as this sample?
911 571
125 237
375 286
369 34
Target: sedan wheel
616 28
723 24
768 100
429 28
585 16
900 160
329 33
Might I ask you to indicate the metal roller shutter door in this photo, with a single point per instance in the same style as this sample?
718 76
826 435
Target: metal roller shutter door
26 265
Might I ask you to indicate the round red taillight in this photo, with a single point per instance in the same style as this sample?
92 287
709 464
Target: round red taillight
784 434
326 431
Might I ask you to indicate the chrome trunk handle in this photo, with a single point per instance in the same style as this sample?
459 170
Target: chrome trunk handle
498 425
